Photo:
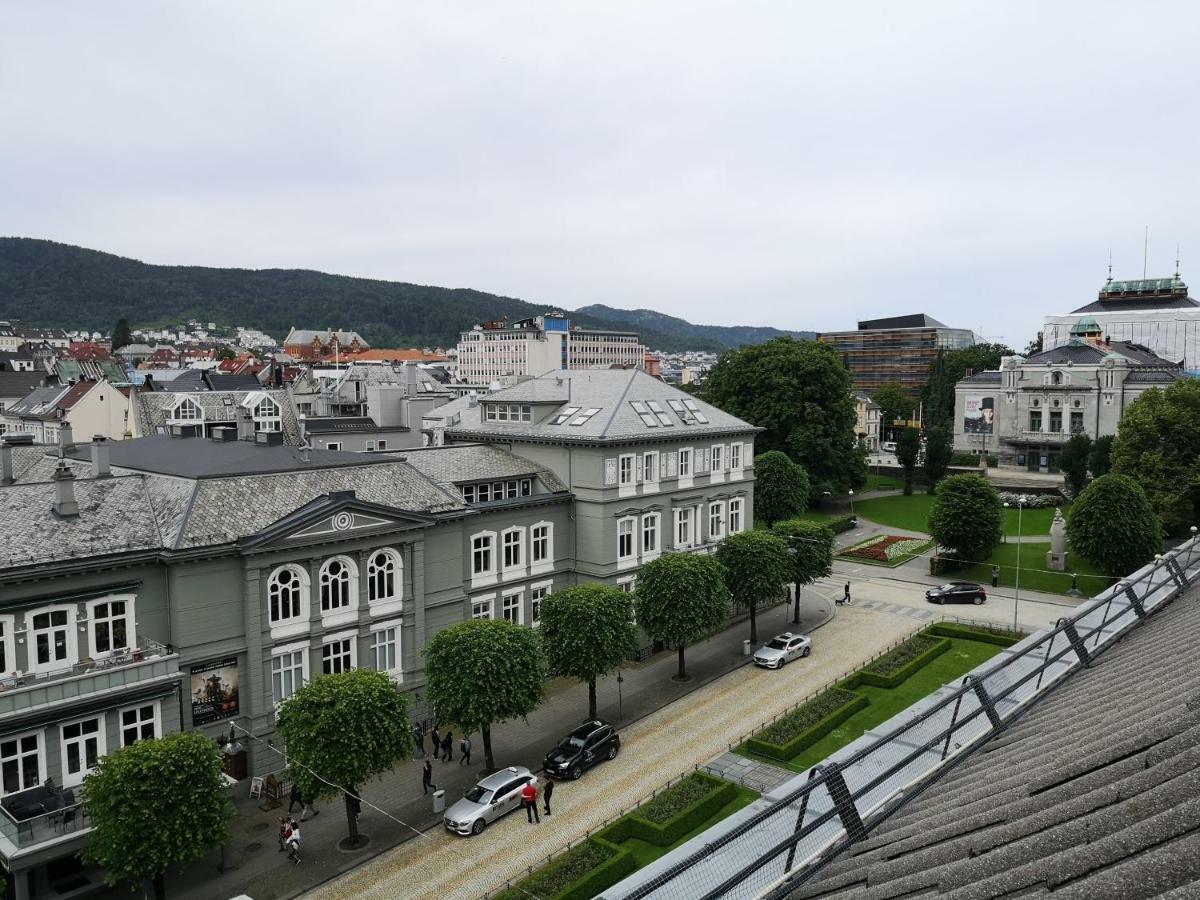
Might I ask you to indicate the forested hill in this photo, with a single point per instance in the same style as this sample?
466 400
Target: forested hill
52 284
647 320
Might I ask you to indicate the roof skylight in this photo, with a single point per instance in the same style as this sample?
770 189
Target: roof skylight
583 417
562 417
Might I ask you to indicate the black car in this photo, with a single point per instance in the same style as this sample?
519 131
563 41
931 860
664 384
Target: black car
957 592
586 745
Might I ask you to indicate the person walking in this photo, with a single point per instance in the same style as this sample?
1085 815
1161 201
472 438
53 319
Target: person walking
293 843
437 741
464 750
426 777
529 801
448 747
419 732
546 794
308 806
846 596
294 798
285 832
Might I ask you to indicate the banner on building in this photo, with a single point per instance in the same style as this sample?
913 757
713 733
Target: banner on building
214 690
980 414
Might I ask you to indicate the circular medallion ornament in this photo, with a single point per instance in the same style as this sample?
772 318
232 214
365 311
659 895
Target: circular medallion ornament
342 521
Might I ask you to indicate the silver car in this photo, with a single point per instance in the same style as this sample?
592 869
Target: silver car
782 649
495 796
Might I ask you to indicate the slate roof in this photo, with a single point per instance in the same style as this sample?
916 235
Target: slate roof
1082 352
306 336
457 463
38 402
205 380
1094 793
19 384
152 409
610 391
916 320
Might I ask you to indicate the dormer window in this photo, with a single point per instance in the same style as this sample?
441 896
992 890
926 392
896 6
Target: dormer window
187 410
507 412
267 416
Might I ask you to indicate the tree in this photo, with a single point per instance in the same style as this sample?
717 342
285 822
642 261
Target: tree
894 403
121 335
226 352
345 728
810 550
1100 459
587 630
681 598
1156 446
908 454
1113 524
1074 462
756 567
781 488
939 450
950 367
967 516
482 672
156 804
801 395
1034 346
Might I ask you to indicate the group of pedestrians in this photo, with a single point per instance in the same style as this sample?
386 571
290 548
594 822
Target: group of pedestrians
529 800
289 838
443 745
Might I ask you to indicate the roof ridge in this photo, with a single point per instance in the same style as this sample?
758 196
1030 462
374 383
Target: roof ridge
625 393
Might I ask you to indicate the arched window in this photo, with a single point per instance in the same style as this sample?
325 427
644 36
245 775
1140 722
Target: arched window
385 576
338 577
287 594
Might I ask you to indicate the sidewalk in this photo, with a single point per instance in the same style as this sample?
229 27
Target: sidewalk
260 871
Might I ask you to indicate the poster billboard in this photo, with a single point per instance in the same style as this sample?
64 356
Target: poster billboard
214 690
980 414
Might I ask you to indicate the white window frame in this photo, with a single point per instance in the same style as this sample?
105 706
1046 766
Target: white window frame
287 626
272 422
334 445
737 512
628 584
70 779
651 527
291 650
541 534
71 642
650 471
395 626
389 603
347 638
343 612
716 464
8 647
685 515
717 507
130 625
39 752
483 607
626 470
685 462
514 600
518 545
735 456
155 721
489 572
194 412
627 527
537 595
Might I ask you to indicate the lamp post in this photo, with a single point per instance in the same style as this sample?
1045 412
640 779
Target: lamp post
1017 594
852 515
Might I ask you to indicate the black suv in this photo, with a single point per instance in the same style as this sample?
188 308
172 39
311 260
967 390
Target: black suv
586 745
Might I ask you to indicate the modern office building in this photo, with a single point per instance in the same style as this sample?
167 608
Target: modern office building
495 350
896 350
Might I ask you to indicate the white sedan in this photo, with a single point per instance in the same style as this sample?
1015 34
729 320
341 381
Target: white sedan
782 649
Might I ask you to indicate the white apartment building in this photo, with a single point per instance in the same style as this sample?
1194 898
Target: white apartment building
533 347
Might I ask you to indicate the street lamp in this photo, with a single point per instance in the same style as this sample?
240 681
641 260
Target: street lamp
1021 501
852 505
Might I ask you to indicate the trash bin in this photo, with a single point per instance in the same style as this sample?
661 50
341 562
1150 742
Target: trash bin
745 648
439 800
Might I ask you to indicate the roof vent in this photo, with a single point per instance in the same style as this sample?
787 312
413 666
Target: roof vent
269 438
224 433
100 457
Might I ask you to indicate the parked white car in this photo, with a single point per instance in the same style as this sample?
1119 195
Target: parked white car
495 796
782 649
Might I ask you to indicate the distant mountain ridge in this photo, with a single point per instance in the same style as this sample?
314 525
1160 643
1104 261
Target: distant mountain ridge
52 284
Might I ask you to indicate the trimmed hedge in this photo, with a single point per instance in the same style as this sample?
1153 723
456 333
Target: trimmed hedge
807 724
579 874
899 663
1001 638
840 523
680 808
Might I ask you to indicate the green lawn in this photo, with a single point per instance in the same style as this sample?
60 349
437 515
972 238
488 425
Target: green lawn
646 853
1033 563
962 657
819 515
882 483
912 514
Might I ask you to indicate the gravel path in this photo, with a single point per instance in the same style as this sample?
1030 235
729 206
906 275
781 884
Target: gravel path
687 733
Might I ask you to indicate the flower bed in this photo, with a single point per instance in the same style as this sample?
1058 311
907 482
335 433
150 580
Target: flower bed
806 724
889 549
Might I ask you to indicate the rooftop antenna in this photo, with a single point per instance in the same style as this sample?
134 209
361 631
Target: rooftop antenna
1176 261
1145 251
1109 281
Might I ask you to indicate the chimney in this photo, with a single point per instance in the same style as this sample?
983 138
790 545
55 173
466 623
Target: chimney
66 440
6 463
65 506
245 424
1107 341
100 454
410 371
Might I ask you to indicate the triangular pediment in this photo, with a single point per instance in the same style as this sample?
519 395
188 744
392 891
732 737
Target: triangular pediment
334 517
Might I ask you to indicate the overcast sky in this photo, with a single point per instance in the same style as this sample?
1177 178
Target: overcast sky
794 164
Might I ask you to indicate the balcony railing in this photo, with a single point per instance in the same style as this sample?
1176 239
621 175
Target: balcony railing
33 817
148 649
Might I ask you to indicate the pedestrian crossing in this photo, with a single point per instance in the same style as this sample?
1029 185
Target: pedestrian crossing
897 609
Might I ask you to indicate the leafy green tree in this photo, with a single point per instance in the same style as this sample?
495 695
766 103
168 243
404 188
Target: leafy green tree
1034 346
156 804
908 454
587 630
781 488
121 335
681 598
800 393
1113 525
810 549
482 672
1100 459
939 450
756 567
345 728
1074 462
949 368
967 516
1156 446
894 403
226 352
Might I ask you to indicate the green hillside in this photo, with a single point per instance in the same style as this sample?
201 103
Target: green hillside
52 284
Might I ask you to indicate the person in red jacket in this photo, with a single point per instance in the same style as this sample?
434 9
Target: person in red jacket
529 801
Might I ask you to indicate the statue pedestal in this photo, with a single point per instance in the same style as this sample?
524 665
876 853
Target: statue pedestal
1056 562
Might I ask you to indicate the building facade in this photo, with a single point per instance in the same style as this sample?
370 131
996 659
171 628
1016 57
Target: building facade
867 421
897 350
1025 412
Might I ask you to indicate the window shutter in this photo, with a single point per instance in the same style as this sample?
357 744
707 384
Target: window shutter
672 464
747 455
610 471
700 459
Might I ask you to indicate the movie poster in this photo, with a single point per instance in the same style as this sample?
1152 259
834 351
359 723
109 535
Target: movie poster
979 415
214 691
